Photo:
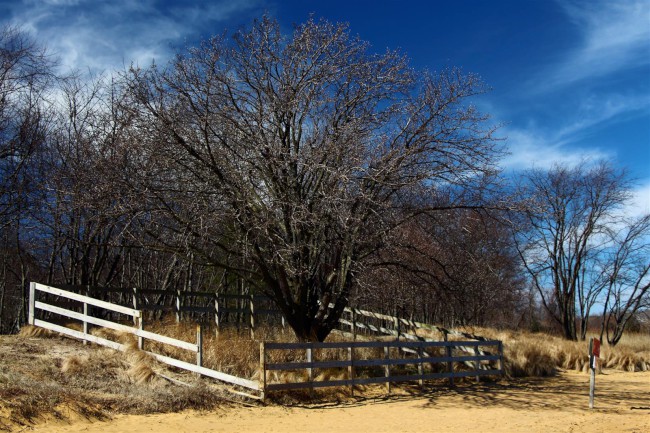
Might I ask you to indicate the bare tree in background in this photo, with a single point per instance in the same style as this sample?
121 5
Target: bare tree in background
626 277
296 154
25 71
571 210
25 75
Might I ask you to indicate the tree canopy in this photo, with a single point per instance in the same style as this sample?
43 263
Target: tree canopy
289 159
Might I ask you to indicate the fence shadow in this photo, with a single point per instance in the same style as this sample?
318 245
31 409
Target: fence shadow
566 392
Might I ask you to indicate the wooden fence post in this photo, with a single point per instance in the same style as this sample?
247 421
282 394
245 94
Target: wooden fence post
199 345
477 363
178 306
396 327
135 305
500 361
420 366
216 313
141 328
252 318
85 313
262 371
310 371
354 325
32 303
450 362
351 372
387 367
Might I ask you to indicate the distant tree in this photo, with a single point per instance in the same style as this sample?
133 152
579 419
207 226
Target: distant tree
570 212
289 160
456 267
25 75
25 72
626 277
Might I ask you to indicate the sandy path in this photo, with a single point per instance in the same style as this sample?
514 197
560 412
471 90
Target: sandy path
538 405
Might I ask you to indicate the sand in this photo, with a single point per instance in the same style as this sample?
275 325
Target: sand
557 404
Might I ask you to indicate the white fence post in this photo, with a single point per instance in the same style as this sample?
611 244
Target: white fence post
199 345
32 303
85 316
178 306
135 304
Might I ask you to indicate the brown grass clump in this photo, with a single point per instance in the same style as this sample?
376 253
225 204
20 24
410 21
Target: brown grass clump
72 365
30 331
141 373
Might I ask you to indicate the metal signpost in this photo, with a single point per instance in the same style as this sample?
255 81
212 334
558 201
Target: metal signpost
594 354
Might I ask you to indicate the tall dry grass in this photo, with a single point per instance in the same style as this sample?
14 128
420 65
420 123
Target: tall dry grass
43 376
525 354
539 354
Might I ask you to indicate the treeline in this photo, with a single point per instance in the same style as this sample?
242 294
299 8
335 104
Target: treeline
305 168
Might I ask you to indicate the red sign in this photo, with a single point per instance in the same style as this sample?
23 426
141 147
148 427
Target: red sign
595 350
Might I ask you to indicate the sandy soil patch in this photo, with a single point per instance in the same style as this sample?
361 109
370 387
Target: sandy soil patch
557 404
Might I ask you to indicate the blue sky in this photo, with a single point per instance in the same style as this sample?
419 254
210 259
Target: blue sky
570 79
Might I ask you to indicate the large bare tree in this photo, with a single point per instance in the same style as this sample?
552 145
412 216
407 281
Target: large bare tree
289 159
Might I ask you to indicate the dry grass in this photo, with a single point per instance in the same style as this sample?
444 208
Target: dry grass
55 377
528 354
44 375
525 354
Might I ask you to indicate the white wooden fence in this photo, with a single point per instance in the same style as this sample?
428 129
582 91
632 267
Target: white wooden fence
86 319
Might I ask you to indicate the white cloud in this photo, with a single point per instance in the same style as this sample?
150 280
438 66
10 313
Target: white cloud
534 148
105 35
639 204
615 37
586 90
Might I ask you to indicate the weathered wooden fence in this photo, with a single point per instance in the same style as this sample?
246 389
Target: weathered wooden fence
218 308
414 358
373 362
86 318
249 310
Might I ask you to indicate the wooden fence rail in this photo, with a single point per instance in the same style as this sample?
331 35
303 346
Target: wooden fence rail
87 319
218 307
247 310
428 357
414 358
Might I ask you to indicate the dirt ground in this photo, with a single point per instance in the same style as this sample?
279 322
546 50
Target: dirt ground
557 404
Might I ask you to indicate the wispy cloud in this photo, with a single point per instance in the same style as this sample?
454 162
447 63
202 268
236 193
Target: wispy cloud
534 147
595 85
615 37
640 203
104 35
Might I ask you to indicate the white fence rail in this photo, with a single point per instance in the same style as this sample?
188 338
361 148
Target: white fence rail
86 319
